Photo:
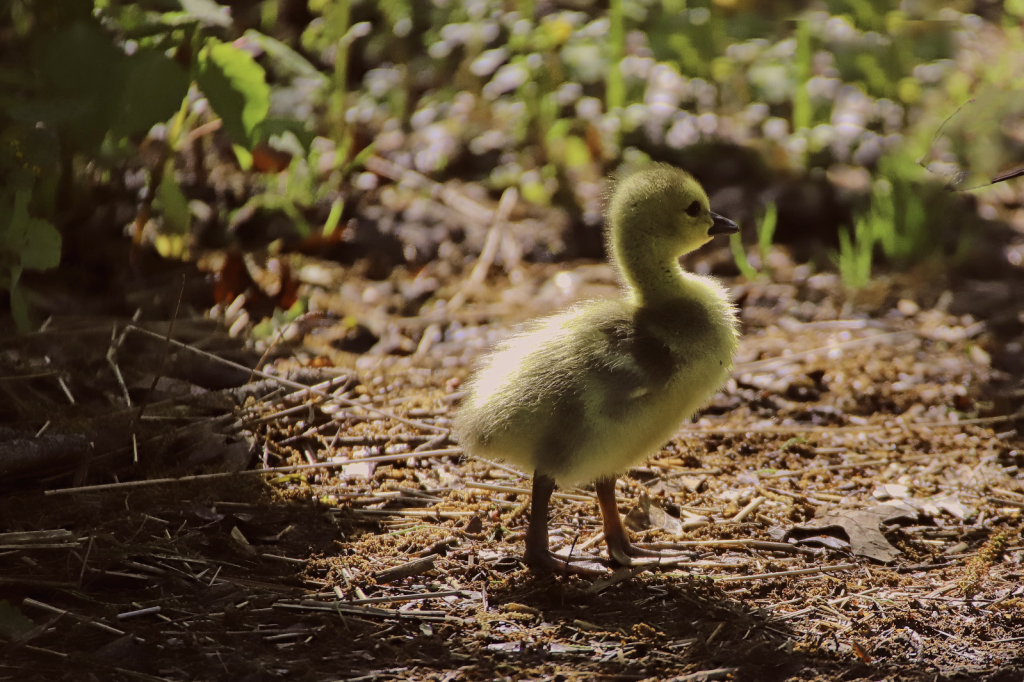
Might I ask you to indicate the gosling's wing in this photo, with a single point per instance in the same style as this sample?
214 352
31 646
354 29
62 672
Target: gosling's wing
630 364
679 352
606 357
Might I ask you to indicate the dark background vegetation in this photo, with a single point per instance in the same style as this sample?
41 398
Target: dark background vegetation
195 125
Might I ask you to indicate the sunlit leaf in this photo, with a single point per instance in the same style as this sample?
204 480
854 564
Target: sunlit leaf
237 89
207 12
244 157
287 62
334 217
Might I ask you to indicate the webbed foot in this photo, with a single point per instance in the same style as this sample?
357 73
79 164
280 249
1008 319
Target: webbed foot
542 560
620 549
625 553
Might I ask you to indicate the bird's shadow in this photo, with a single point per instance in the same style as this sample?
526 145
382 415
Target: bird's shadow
654 625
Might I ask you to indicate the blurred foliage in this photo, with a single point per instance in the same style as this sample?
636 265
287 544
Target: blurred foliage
508 92
855 254
86 83
907 220
765 235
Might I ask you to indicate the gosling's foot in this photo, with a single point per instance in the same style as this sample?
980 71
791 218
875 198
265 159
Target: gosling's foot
620 549
544 561
625 553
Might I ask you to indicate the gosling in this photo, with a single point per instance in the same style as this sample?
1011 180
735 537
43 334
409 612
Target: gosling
582 395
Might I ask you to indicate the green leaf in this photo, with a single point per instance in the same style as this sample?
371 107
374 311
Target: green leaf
207 12
80 60
237 89
244 157
12 623
287 62
177 214
154 88
276 125
79 67
360 159
36 242
337 206
739 255
577 154
766 232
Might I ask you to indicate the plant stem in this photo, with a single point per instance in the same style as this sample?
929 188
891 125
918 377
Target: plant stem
802 113
614 91
340 18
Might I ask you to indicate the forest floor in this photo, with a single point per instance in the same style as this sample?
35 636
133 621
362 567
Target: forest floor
848 508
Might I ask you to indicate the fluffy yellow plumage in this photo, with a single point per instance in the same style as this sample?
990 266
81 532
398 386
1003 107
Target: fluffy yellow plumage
583 395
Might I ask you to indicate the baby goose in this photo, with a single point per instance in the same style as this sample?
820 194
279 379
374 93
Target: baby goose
582 395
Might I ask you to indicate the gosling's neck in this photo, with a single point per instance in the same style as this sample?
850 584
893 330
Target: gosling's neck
650 270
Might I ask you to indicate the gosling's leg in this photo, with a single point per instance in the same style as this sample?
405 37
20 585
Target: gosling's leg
538 557
620 549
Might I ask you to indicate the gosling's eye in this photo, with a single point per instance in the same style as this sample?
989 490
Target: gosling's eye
693 210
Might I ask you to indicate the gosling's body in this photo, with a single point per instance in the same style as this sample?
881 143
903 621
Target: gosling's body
590 392
583 395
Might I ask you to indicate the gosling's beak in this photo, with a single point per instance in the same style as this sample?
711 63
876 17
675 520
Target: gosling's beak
722 225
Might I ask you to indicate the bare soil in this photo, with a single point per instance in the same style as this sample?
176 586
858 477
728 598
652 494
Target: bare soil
838 406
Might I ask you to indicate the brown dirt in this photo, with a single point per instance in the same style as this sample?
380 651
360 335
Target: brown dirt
830 411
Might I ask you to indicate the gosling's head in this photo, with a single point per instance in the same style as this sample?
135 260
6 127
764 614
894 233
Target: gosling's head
664 210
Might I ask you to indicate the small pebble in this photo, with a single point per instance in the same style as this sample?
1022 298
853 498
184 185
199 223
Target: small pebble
908 307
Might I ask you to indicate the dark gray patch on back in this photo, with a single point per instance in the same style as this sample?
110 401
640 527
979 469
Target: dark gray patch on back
649 364
682 318
651 354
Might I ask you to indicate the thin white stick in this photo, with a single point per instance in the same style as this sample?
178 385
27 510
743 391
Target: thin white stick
249 472
525 491
490 250
749 509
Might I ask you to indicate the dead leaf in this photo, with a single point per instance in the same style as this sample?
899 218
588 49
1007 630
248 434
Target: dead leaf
861 652
891 491
220 455
513 607
359 469
620 575
826 541
860 527
474 525
934 506
241 542
647 515
694 484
